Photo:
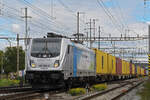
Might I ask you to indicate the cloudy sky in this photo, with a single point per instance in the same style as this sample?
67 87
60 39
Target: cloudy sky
115 17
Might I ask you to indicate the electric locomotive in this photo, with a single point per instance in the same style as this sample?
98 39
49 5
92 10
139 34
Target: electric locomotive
56 61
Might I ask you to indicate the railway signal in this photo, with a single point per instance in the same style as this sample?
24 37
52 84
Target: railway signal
149 49
149 64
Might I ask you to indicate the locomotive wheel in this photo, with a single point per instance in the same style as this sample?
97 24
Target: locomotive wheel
68 85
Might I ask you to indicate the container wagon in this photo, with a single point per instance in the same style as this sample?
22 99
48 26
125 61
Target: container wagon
119 68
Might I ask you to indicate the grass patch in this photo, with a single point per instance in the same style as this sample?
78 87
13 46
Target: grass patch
77 91
145 93
8 82
99 87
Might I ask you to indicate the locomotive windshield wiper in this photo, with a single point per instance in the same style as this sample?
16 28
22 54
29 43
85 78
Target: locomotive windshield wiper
46 49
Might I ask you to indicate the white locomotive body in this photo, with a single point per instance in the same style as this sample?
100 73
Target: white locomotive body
58 61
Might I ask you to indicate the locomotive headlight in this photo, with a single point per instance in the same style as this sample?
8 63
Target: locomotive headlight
32 64
56 64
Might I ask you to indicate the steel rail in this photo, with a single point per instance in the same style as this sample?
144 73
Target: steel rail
124 93
97 94
15 89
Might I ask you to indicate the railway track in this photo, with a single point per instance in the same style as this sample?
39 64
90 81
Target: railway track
125 92
66 96
114 93
29 95
15 89
62 95
21 95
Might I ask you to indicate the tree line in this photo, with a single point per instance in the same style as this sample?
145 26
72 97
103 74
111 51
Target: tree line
8 59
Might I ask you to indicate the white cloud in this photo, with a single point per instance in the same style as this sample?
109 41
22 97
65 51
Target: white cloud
16 28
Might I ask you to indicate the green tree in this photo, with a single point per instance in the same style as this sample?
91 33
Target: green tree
1 60
10 59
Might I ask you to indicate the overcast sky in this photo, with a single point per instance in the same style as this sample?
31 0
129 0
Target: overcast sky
59 16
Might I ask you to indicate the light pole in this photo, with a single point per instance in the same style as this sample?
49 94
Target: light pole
26 33
16 29
18 55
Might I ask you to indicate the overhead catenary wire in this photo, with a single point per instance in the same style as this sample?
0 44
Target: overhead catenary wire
111 17
36 11
14 14
67 8
120 16
48 21
121 13
33 23
42 12
38 22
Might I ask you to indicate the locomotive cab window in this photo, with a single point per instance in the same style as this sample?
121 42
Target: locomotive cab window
46 47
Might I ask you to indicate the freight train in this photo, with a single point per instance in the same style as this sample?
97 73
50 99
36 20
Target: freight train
57 61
